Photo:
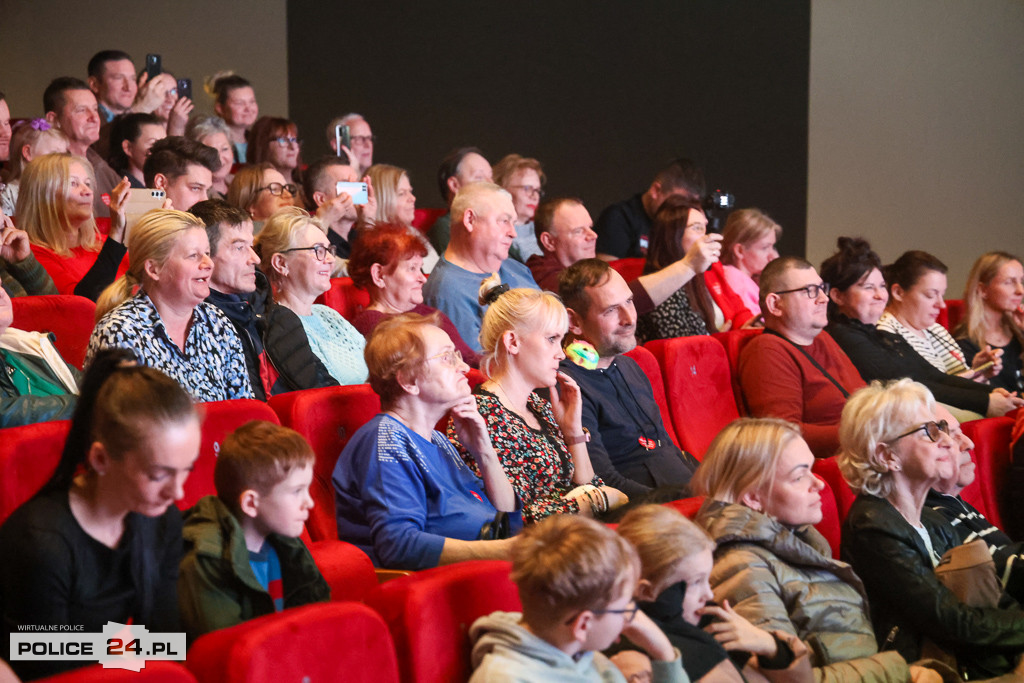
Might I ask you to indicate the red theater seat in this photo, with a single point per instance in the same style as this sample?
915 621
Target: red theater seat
28 458
327 417
698 385
345 298
155 672
649 364
629 268
991 492
425 218
220 418
827 470
430 612
734 341
323 642
70 318
952 314
347 569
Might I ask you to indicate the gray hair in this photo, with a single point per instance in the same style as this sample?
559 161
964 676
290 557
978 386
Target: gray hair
204 126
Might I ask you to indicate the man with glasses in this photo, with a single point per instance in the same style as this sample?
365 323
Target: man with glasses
361 138
795 370
182 168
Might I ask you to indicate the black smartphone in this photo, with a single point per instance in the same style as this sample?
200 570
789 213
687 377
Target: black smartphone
185 88
342 137
154 66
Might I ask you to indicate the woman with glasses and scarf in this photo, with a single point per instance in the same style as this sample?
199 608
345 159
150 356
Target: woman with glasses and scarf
893 452
260 191
297 259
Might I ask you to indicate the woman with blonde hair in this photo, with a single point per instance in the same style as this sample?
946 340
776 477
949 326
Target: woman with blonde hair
297 259
994 317
260 191
771 564
893 452
397 204
158 310
541 444
748 244
55 208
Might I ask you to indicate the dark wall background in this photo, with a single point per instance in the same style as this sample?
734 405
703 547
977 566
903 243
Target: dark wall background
603 93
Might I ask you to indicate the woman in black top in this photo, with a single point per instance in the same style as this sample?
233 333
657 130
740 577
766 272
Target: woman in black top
102 540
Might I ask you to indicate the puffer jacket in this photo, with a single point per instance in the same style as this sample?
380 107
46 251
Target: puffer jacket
893 561
17 409
785 579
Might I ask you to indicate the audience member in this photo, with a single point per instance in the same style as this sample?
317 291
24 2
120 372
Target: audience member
917 289
389 265
460 167
857 300
680 232
772 565
276 349
131 138
182 168
795 371
101 541
243 555
970 525
624 228
5 129
402 493
993 316
893 453
524 179
748 245
213 132
112 81
629 446
175 110
72 108
36 384
483 228
276 141
397 204
565 235
540 444
55 207
675 565
235 102
20 273
261 192
297 258
31 139
362 138
167 323
576 580
336 210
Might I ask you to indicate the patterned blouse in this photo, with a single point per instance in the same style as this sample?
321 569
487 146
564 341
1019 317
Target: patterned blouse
675 317
936 346
537 462
211 368
337 344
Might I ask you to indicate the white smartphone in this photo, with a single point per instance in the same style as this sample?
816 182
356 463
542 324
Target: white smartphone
360 195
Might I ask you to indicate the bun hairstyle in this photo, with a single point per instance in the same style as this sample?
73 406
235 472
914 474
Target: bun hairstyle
845 268
522 310
490 289
219 85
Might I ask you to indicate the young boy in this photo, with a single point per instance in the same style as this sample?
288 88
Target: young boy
243 556
576 580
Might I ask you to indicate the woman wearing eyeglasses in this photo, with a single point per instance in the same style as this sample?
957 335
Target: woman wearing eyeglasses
260 191
893 452
402 493
541 444
275 141
397 204
524 179
297 259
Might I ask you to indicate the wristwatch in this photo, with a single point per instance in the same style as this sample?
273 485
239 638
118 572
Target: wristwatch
580 438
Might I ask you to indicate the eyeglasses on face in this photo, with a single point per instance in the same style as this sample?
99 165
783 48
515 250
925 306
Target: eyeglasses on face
530 190
319 251
277 189
452 357
933 429
285 141
812 291
363 139
628 613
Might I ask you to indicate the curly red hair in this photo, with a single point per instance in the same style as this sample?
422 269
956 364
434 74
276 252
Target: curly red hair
386 244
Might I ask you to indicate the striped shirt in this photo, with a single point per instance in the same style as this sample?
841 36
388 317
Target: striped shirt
936 345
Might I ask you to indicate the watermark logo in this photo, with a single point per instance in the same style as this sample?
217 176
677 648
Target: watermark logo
119 646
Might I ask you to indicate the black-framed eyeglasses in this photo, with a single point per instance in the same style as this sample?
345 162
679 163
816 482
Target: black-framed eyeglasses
812 291
285 141
933 429
628 613
530 190
277 189
451 357
319 250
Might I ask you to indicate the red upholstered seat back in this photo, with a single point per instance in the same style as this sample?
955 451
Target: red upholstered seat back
28 458
220 418
155 672
70 318
629 268
649 364
827 470
327 417
952 314
345 298
424 219
347 569
687 506
430 612
990 492
698 385
322 642
734 341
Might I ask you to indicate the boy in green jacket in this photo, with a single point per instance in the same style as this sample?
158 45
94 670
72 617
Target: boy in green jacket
243 556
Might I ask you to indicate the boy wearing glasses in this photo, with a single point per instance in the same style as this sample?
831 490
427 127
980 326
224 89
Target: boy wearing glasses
576 580
795 370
